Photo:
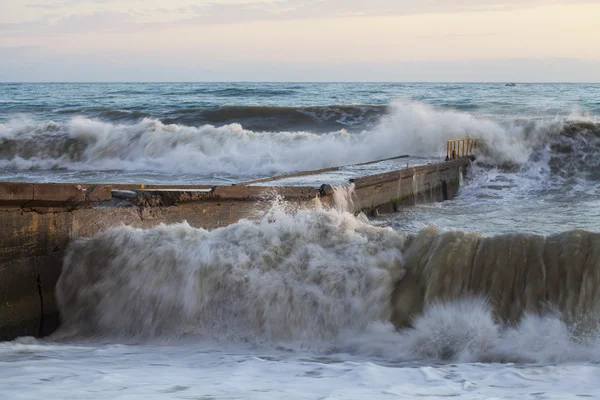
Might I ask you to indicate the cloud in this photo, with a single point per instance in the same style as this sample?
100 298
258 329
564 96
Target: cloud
97 22
73 24
242 11
51 6
67 3
82 12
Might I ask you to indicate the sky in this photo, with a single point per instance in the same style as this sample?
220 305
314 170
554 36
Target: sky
300 40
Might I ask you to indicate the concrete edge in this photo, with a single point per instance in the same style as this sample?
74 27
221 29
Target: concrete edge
408 172
73 196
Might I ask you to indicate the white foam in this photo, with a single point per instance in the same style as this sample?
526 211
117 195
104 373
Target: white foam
202 371
304 276
409 128
465 331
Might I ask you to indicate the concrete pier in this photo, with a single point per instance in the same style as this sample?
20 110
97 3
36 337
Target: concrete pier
37 221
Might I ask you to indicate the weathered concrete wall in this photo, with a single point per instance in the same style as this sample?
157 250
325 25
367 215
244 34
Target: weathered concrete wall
37 221
385 193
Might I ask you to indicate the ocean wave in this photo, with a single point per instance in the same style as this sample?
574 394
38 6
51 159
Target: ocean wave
237 92
106 113
317 119
407 128
324 276
128 92
254 92
299 277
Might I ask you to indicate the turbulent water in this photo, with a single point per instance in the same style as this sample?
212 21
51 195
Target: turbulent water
315 276
491 295
218 133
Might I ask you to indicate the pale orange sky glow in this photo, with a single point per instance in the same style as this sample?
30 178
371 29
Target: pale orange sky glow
295 40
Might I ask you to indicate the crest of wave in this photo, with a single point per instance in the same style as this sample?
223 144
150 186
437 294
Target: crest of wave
409 128
541 294
422 129
301 276
518 273
516 297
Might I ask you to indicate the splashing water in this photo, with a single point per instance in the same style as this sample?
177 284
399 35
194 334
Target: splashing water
299 277
318 277
151 145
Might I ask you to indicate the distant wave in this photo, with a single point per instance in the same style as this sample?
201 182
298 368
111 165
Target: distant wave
254 92
568 146
107 113
318 119
127 92
236 93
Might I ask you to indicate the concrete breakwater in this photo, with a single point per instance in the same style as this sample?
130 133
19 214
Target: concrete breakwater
38 220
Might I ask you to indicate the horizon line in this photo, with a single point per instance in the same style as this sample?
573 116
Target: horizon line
303 82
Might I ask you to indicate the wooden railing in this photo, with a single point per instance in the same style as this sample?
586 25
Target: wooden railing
459 148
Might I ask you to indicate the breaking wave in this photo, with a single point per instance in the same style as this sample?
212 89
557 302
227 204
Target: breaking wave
233 148
107 113
318 119
288 277
325 276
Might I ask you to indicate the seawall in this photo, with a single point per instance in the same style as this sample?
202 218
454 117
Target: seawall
37 221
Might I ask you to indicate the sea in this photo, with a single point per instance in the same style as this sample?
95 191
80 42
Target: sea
493 295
